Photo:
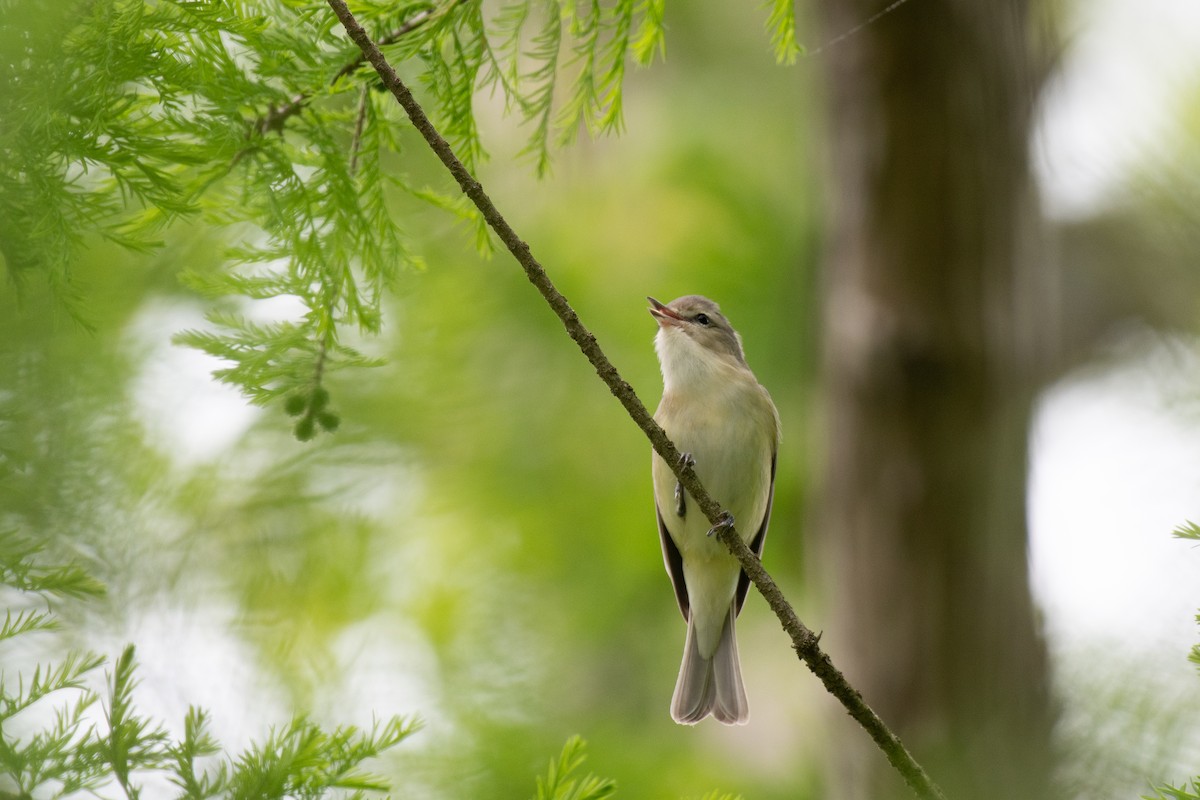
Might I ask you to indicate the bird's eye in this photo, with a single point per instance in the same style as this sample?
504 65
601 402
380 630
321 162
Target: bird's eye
703 319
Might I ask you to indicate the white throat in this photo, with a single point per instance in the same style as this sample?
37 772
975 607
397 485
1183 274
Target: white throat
688 366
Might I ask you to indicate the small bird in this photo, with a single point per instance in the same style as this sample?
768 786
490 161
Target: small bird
725 425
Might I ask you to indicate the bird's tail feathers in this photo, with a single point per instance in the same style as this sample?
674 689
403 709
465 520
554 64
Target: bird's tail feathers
711 685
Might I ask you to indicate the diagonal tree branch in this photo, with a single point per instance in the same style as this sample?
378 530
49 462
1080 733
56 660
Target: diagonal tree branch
804 640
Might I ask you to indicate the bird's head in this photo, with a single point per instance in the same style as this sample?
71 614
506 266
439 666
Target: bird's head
693 329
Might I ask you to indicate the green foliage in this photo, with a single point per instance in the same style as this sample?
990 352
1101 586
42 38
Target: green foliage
598 55
304 761
20 569
36 585
132 742
418 550
1176 792
1189 530
75 753
562 783
544 51
123 116
83 91
782 25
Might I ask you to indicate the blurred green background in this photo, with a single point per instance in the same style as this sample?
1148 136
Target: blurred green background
476 544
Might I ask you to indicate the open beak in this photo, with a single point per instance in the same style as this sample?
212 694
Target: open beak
664 315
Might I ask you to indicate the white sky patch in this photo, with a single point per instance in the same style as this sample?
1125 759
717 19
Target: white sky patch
192 656
1114 455
1114 97
186 411
385 666
281 308
1114 472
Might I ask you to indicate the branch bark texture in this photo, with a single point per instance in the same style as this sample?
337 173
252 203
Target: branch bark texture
804 641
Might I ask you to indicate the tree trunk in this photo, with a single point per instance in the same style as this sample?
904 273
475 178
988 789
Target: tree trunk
933 312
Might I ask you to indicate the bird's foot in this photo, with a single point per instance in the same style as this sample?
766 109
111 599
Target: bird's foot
685 460
724 521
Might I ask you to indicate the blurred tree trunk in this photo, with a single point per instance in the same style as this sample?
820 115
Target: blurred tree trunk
933 311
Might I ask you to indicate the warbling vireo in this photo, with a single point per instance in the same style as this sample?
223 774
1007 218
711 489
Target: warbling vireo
723 422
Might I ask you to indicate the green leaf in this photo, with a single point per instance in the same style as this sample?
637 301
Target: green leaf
20 570
304 760
651 38
133 742
1168 792
195 782
782 24
1189 530
562 783
26 622
46 680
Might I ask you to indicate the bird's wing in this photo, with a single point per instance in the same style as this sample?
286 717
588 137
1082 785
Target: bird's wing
756 544
673 562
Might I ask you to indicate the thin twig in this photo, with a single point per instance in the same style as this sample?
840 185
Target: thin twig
804 641
276 118
360 119
853 31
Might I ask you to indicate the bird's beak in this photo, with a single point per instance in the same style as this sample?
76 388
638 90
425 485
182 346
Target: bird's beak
664 315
